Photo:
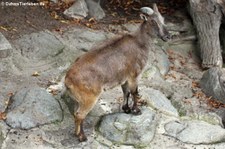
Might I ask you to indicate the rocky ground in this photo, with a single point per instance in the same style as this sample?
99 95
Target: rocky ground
175 112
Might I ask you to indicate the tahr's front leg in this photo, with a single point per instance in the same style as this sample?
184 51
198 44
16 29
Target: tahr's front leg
135 95
126 95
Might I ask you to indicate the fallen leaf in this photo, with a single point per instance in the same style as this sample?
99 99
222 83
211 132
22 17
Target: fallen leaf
2 116
36 74
92 20
199 94
88 25
120 100
4 28
141 102
195 84
64 21
10 94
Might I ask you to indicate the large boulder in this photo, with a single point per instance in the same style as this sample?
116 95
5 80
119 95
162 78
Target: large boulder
94 9
129 129
39 46
40 52
84 39
157 100
157 66
32 107
195 132
77 10
212 83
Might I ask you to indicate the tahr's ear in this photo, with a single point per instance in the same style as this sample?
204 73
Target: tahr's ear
155 8
156 11
143 17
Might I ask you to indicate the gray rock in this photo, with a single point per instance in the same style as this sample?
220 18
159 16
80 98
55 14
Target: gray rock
209 117
2 103
184 49
192 73
108 103
123 147
39 46
129 129
95 10
157 65
5 46
55 1
182 90
3 132
151 73
22 139
33 107
212 83
221 113
77 10
161 61
180 23
40 52
91 35
131 27
167 142
195 132
158 100
83 39
55 135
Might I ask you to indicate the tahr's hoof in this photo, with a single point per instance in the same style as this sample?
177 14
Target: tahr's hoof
126 109
136 111
139 96
82 137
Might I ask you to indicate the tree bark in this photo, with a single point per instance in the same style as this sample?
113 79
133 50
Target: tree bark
222 28
222 5
206 15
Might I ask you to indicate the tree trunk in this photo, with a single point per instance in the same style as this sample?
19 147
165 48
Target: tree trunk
222 5
206 15
222 27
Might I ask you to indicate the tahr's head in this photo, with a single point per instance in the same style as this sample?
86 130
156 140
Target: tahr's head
154 23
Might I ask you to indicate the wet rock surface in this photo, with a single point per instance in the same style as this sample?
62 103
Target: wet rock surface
173 113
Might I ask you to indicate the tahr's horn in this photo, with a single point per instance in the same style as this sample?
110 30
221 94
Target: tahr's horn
147 10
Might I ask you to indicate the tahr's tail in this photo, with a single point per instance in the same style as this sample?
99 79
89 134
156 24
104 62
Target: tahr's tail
58 88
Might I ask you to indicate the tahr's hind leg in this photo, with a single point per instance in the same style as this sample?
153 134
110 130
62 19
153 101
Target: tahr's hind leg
85 106
138 94
78 119
86 100
126 94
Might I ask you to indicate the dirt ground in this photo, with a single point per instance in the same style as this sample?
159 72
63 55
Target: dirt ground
19 20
